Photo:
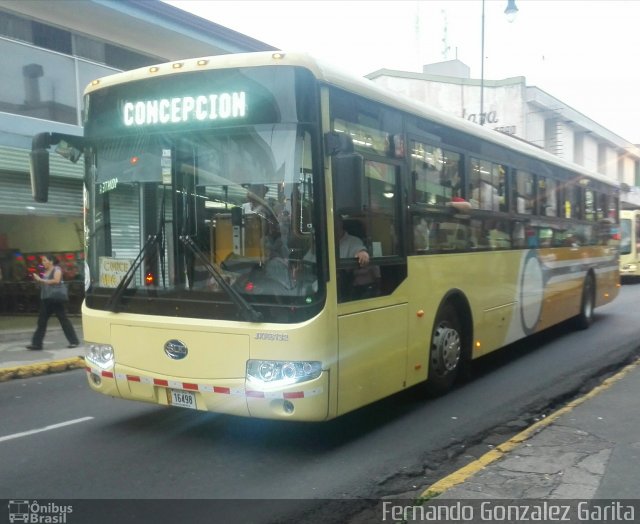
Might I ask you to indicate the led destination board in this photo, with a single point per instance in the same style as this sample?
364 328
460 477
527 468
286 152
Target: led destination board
203 99
177 110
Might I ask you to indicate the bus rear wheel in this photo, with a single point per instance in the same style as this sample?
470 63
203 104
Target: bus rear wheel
445 356
587 304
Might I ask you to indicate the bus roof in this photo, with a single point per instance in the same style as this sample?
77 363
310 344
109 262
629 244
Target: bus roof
334 76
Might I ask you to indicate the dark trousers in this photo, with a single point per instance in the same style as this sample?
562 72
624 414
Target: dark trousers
48 308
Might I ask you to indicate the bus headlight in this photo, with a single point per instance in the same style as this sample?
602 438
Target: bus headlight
278 373
99 354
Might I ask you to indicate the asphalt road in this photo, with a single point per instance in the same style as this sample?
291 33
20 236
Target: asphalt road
59 440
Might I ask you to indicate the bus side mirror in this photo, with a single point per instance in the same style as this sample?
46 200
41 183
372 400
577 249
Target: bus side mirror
348 183
39 170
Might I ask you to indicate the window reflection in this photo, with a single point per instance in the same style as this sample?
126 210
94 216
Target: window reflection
52 86
436 174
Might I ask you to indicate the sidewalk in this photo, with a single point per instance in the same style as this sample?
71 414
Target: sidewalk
590 449
16 361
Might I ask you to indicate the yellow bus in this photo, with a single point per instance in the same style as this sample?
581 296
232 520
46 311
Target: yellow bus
215 279
630 243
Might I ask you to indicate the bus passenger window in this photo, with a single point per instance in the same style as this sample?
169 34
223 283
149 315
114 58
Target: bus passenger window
590 205
366 278
435 174
547 196
601 206
499 235
572 207
373 230
525 192
445 235
421 232
487 185
546 236
362 281
519 235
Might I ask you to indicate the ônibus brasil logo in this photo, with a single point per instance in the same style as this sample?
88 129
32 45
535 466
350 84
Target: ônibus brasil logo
37 513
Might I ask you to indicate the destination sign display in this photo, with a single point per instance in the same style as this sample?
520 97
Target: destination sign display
197 100
178 110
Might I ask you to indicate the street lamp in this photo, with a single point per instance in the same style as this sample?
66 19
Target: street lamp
510 11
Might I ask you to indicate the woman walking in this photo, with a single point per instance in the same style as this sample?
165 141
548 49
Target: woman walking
51 306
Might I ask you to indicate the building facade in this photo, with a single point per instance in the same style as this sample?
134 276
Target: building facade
511 106
48 56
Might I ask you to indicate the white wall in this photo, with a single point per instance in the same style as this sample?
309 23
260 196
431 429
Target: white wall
628 171
535 127
609 166
590 153
502 105
566 131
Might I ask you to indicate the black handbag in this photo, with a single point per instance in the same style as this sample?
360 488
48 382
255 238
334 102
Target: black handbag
57 292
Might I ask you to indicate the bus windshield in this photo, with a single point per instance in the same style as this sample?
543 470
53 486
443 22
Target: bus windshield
219 220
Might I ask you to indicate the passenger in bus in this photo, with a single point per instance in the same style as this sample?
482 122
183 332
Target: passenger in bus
270 227
350 245
364 281
485 197
421 232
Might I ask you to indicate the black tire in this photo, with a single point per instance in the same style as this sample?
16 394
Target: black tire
587 304
446 350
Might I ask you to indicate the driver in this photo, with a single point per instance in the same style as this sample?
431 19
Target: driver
274 250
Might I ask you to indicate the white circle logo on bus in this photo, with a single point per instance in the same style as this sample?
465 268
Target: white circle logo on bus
175 349
531 292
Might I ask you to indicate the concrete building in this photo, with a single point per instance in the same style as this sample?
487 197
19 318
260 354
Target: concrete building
511 106
48 54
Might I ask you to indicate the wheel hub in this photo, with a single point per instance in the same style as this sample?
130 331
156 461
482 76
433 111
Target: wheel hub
447 349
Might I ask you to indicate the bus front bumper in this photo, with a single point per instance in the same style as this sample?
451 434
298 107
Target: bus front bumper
307 401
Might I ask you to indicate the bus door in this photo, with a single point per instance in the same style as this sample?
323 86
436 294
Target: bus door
370 265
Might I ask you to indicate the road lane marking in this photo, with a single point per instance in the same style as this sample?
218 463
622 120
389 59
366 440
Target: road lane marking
46 428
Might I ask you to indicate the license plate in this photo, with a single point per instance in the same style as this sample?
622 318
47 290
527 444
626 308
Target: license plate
181 398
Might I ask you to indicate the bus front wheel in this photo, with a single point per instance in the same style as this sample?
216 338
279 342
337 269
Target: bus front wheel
445 356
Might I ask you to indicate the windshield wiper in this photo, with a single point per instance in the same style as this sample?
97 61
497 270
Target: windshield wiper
152 241
249 313
114 299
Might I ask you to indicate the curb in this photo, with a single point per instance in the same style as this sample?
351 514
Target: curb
464 473
41 368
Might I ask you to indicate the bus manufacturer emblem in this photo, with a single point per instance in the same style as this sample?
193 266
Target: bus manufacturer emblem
175 349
